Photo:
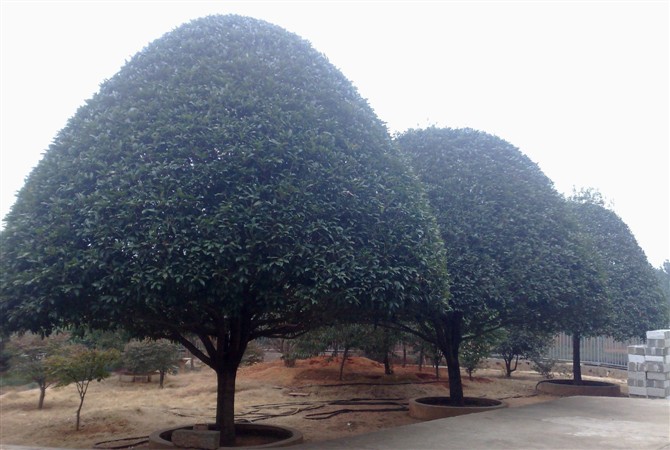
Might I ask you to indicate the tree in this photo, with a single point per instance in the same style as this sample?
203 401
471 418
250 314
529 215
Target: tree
341 338
80 365
5 355
290 350
253 354
227 184
663 276
307 345
345 337
30 353
378 344
435 355
477 349
634 300
100 339
418 347
511 253
521 342
151 355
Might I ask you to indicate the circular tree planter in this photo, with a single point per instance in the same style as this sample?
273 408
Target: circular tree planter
430 408
248 435
567 388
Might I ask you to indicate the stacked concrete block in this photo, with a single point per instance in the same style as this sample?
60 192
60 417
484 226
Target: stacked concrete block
649 366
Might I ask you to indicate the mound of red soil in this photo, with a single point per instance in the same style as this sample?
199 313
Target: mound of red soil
326 370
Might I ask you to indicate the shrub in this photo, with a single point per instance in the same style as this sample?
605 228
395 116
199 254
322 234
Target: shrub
254 354
544 366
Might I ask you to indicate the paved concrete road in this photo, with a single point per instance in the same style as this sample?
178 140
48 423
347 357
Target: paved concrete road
573 423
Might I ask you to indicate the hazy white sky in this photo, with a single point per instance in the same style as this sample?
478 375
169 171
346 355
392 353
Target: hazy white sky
581 87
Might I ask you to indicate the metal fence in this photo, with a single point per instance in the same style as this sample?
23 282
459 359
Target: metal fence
599 351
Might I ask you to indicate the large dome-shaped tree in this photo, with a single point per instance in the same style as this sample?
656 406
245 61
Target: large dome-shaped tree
635 300
513 252
228 183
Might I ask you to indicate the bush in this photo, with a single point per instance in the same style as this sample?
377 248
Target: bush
471 355
254 354
475 350
151 355
526 343
544 366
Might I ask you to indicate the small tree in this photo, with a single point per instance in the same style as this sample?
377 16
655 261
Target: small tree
543 366
30 353
418 347
378 344
253 354
151 355
100 339
435 355
473 351
80 366
523 343
341 338
288 348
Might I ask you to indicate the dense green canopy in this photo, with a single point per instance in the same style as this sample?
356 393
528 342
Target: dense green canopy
228 183
509 243
227 167
512 252
635 299
663 277
626 300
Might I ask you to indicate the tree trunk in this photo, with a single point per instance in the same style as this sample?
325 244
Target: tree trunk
421 359
508 364
388 370
455 382
345 354
225 403
43 393
450 344
81 403
404 354
161 379
82 387
226 353
223 354
576 359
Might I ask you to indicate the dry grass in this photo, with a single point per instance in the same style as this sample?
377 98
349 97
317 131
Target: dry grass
114 409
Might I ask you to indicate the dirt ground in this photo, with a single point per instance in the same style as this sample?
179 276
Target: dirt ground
307 397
